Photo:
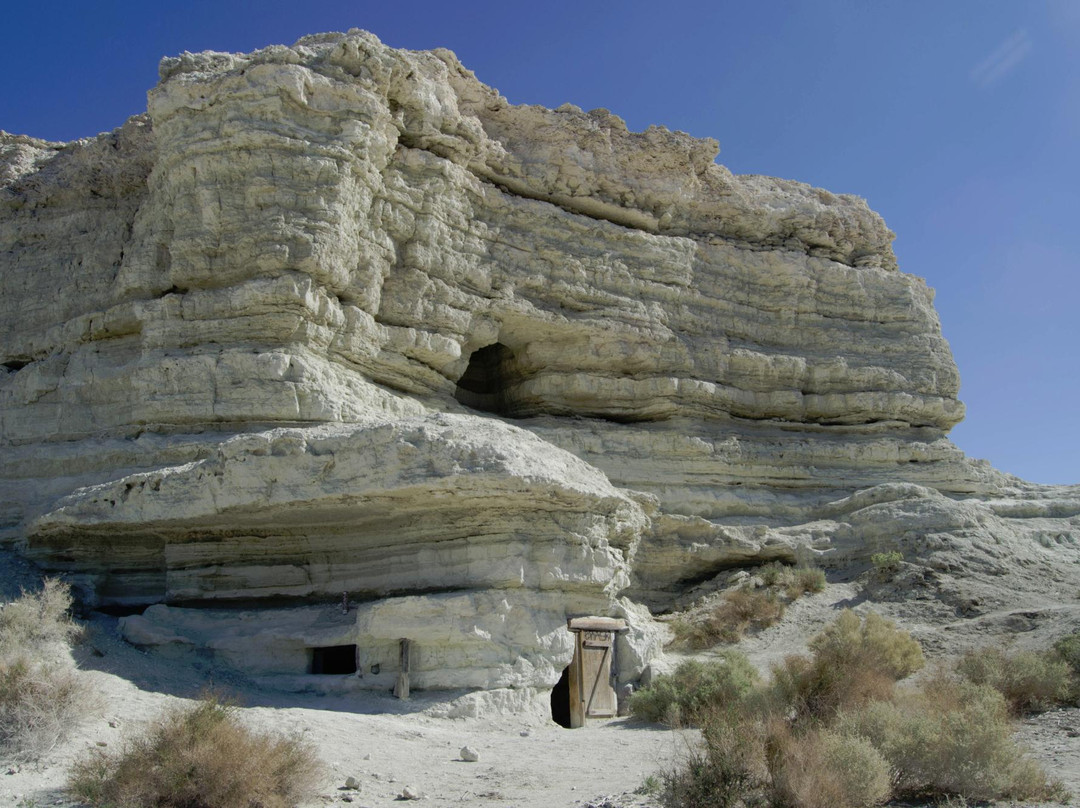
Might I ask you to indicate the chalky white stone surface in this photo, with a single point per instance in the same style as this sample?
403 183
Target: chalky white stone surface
232 331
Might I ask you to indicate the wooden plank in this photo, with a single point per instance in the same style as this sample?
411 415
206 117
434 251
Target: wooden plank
577 702
601 701
401 689
596 624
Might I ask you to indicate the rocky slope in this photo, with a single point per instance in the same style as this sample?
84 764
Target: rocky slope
337 317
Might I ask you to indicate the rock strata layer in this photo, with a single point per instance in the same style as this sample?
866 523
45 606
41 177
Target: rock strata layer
338 317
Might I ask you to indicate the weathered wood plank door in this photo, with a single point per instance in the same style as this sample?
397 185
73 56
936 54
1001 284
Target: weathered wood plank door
596 670
591 693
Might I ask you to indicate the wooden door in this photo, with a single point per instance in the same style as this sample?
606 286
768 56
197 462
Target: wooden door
596 667
591 693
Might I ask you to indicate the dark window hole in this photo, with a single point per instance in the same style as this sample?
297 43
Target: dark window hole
333 659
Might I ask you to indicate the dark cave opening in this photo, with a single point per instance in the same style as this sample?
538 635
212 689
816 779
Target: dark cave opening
484 383
560 700
333 660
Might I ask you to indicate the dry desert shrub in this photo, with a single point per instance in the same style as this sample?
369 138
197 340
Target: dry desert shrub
806 581
42 697
808 690
832 730
871 641
37 619
1029 681
695 688
1067 649
823 768
727 770
199 757
747 609
754 759
950 738
792 581
739 611
39 705
855 661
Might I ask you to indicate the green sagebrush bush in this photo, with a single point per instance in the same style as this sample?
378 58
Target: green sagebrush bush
42 696
1029 681
887 564
199 756
950 738
695 688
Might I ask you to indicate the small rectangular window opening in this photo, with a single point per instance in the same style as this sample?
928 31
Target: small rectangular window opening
333 659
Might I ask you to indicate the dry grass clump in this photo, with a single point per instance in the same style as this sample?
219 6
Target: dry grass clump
748 609
42 697
832 730
199 757
39 705
1029 681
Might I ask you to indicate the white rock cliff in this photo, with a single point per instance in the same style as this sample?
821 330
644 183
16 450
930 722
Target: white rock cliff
338 317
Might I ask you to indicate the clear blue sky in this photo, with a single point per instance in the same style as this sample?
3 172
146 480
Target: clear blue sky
959 121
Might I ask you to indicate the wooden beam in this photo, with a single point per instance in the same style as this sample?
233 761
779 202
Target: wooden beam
577 686
401 689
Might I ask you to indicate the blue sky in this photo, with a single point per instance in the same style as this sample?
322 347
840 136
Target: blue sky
958 121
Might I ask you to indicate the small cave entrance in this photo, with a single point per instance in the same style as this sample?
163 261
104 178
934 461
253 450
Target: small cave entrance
333 660
487 377
560 700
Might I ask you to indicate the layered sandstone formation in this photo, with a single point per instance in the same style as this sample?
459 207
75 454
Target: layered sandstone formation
338 317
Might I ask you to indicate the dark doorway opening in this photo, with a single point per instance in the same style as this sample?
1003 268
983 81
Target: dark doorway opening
560 700
334 659
484 383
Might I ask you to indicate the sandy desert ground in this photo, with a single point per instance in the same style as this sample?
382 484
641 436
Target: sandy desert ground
387 744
